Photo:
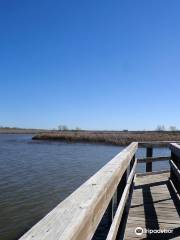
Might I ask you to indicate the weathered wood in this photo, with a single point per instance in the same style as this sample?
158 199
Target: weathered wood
149 153
153 159
78 216
117 219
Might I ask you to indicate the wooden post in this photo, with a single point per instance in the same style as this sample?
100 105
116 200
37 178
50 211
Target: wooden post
121 186
173 176
171 171
110 212
175 165
149 153
132 163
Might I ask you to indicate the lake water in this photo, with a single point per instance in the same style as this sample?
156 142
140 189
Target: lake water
36 175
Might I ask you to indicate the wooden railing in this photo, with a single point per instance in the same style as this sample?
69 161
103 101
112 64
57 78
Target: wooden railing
175 165
79 215
149 159
108 191
174 160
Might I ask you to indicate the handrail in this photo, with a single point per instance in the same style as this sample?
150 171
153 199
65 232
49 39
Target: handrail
175 165
149 153
175 149
153 159
175 169
77 217
156 144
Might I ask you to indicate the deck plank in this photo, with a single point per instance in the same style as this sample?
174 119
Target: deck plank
154 205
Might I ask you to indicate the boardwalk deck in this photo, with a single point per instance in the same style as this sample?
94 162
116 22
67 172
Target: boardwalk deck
155 205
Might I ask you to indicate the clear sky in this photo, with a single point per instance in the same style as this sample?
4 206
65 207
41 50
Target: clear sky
95 64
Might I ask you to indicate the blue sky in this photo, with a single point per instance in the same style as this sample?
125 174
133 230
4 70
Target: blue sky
93 64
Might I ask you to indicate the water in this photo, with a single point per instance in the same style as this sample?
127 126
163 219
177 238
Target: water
36 175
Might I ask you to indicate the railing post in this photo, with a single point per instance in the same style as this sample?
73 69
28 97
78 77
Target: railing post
132 162
110 212
149 153
171 170
176 160
121 186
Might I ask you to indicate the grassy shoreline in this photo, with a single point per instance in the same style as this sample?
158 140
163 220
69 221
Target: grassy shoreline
118 138
7 130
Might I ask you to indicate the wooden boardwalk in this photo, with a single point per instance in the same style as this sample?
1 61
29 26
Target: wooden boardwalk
154 205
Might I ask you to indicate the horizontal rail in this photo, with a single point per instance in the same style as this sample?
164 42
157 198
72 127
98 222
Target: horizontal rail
77 217
175 148
117 219
174 189
156 144
175 169
153 159
152 173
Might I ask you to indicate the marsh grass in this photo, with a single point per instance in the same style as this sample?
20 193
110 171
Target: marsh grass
111 137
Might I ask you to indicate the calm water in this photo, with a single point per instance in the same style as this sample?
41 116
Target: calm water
36 175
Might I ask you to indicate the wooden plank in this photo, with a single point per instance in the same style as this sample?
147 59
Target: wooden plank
153 159
117 219
78 216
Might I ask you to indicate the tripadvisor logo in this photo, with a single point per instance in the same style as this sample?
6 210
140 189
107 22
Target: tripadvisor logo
139 231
